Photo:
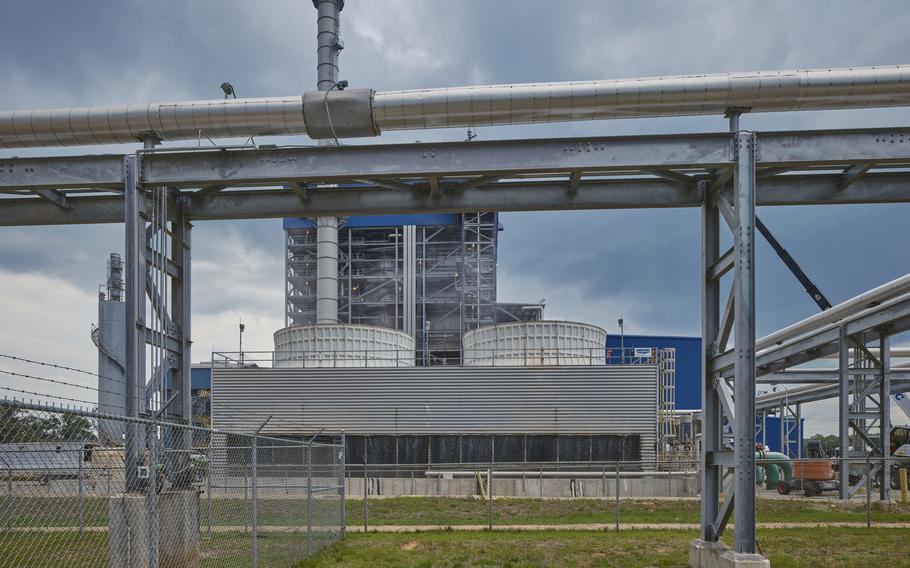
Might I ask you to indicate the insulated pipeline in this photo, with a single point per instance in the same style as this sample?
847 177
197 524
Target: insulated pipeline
758 91
367 113
166 121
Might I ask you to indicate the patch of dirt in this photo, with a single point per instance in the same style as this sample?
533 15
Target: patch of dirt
412 545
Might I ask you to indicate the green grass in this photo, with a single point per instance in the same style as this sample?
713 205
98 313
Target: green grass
828 548
446 511
229 546
70 550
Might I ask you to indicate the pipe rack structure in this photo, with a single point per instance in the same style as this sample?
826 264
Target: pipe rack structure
725 174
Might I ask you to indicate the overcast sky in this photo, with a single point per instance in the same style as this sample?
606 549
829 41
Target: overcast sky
590 266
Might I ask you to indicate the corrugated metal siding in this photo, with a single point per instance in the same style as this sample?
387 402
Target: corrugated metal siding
440 400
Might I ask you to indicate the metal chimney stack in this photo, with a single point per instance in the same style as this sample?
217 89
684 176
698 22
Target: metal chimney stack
327 26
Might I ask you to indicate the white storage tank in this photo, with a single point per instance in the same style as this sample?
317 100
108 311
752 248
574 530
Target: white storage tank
535 343
342 345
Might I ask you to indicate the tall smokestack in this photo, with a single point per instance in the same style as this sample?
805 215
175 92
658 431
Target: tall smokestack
329 44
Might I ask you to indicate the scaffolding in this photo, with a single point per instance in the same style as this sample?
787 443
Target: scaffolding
667 421
433 280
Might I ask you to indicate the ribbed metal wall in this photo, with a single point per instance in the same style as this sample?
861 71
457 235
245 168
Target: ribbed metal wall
440 400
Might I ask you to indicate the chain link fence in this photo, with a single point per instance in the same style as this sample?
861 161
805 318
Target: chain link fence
610 496
856 492
198 497
579 495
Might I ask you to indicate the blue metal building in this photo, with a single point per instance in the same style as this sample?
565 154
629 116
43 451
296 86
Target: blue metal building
769 434
688 362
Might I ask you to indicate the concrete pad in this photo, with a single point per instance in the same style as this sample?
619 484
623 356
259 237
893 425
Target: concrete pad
178 530
732 559
707 554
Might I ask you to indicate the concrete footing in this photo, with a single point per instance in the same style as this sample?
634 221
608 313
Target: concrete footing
706 554
178 530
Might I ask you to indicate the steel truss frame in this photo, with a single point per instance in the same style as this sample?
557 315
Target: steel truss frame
477 274
793 168
725 174
158 360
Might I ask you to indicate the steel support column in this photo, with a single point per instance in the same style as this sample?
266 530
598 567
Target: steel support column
744 342
712 419
180 294
884 407
134 249
843 411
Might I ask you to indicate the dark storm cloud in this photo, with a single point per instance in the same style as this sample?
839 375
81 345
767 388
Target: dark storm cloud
643 263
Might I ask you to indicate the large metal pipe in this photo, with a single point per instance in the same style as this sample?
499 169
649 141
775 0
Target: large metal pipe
849 307
761 91
166 121
365 113
326 270
327 27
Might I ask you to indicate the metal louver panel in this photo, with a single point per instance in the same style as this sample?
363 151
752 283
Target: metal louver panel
438 400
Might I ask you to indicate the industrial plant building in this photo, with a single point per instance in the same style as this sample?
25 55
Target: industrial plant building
426 365
432 277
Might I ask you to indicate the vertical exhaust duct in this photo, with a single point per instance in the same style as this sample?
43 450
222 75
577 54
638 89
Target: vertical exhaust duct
327 25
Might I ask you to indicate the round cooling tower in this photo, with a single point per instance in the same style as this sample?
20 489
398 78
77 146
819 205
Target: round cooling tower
342 345
535 343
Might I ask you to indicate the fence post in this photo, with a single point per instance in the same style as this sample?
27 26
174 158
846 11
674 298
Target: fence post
490 498
342 461
208 493
366 492
617 496
253 480
902 479
153 493
309 498
869 492
603 482
540 492
81 494
246 497
9 499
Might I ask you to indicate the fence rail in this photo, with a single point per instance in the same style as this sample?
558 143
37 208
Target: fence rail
605 496
200 497
485 356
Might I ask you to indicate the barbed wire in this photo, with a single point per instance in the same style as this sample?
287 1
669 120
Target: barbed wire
58 397
234 413
231 411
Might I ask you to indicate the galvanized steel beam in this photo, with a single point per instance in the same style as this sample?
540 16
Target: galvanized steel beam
712 419
503 196
238 166
54 196
61 172
744 342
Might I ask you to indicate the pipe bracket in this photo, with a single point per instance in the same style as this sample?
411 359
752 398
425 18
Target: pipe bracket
339 114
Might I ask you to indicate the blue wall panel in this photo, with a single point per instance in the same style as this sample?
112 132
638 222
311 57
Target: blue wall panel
771 438
201 378
688 363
